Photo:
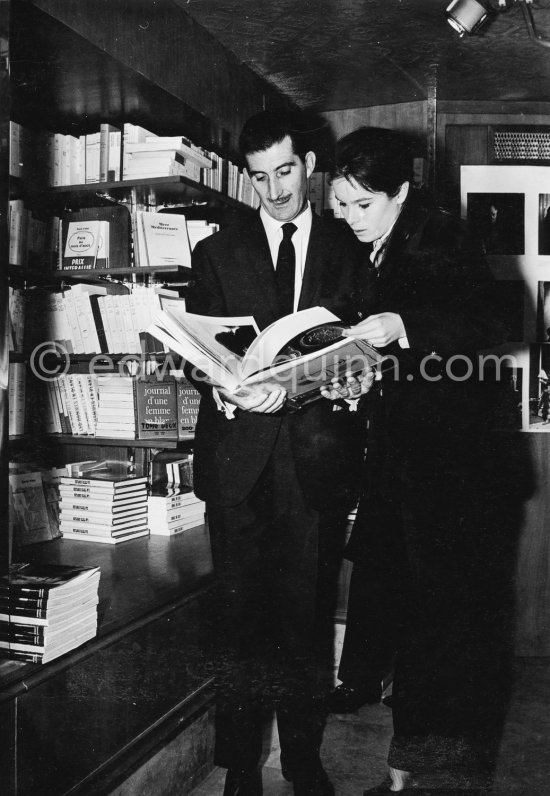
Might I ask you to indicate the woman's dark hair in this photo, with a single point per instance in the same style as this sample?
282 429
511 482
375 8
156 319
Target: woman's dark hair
379 160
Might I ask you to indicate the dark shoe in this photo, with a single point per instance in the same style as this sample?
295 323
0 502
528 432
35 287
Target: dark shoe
312 781
346 699
243 783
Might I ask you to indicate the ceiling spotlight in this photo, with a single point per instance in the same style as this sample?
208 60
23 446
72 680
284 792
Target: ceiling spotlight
466 16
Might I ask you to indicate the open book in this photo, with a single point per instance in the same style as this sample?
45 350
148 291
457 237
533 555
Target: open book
300 352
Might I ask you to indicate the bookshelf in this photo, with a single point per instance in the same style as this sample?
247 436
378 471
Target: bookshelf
72 70
70 77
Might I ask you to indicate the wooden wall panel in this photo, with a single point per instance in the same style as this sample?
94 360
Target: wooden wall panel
170 49
411 117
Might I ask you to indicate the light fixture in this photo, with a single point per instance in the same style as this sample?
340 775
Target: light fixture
466 16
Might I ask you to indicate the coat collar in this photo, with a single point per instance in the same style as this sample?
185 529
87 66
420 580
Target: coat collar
415 212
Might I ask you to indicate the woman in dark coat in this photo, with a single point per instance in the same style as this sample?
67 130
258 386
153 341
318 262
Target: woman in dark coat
432 544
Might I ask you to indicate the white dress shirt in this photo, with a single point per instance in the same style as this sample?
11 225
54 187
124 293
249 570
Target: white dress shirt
300 241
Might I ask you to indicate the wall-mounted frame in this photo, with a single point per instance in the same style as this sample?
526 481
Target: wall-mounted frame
509 205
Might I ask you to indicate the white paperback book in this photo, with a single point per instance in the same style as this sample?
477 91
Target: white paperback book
166 239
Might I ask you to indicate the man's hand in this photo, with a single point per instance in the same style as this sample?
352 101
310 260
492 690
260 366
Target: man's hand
262 399
350 387
378 330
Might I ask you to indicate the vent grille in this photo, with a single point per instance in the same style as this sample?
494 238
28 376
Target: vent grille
515 145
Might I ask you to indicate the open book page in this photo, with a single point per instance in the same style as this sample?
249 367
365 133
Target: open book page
301 351
215 345
303 376
263 351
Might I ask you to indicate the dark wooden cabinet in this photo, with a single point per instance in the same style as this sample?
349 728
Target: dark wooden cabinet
85 722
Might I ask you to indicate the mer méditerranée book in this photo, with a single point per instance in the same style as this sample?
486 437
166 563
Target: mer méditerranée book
300 352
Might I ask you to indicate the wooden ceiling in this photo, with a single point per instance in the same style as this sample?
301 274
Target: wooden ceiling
334 54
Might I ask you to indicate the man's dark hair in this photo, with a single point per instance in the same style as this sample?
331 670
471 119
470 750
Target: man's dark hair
271 127
379 160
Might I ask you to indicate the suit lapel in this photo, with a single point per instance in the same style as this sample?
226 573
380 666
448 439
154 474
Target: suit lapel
316 251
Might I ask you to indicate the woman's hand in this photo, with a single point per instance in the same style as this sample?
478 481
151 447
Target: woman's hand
350 387
378 330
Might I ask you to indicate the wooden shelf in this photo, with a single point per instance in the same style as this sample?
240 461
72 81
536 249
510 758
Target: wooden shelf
150 190
83 439
175 275
107 442
178 270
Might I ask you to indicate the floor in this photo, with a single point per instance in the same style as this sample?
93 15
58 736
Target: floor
355 745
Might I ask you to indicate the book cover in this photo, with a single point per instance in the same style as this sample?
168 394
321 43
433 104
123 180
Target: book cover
166 239
188 400
53 581
81 245
31 521
156 408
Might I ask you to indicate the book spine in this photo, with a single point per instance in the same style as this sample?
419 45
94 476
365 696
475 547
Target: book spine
86 323
17 377
92 157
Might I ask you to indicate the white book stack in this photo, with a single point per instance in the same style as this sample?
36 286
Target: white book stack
197 229
115 410
174 512
47 610
159 156
103 508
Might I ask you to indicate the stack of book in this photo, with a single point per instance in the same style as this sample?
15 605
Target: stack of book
163 156
103 508
47 610
175 511
198 228
115 409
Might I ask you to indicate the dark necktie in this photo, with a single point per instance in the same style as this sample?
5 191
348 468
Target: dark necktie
286 266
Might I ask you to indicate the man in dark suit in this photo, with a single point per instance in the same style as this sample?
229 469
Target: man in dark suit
278 484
